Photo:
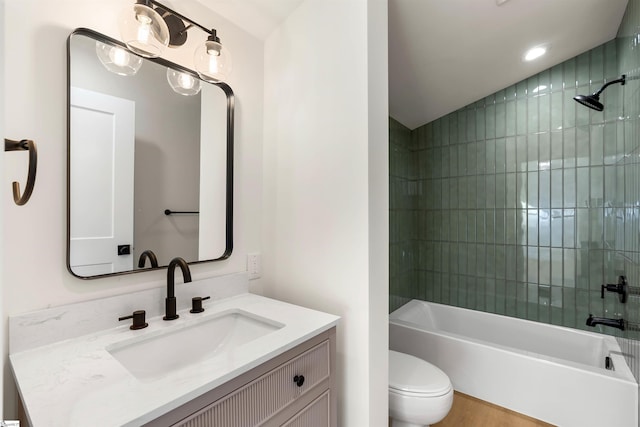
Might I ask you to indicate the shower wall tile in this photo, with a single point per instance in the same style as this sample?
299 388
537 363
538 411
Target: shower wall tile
522 114
557 102
521 89
524 202
557 78
402 216
526 198
569 73
511 120
597 59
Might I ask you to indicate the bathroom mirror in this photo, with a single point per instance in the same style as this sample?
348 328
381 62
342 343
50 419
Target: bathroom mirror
150 161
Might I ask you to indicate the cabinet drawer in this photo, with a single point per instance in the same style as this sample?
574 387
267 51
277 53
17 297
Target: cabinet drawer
316 414
257 401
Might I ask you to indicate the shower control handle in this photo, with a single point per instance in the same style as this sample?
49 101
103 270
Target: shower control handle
621 288
196 304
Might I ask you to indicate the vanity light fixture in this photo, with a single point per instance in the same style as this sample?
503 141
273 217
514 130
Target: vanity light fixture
183 83
148 27
144 30
118 60
213 62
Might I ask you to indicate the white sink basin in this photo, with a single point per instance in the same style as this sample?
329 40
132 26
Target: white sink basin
151 357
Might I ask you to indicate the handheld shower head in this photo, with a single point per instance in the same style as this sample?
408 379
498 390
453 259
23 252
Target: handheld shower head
593 101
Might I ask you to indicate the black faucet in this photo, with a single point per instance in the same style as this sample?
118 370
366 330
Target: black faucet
170 301
148 254
621 288
614 323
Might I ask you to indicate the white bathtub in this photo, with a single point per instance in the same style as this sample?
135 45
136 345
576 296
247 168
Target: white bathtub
548 372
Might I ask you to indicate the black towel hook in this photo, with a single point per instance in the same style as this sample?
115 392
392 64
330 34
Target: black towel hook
30 146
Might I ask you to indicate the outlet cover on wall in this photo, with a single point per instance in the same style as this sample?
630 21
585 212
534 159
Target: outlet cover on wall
254 265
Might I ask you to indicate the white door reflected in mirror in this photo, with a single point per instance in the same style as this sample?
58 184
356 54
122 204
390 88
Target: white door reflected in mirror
101 211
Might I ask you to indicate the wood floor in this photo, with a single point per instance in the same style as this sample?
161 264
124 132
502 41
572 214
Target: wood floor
468 411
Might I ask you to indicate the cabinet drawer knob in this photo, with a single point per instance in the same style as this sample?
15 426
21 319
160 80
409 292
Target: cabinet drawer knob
299 380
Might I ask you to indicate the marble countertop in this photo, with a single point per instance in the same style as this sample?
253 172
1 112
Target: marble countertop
76 381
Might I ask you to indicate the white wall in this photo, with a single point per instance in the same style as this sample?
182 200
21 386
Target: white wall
325 185
378 87
34 236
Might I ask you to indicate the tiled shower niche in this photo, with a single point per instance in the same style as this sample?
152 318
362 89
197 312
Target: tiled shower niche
525 202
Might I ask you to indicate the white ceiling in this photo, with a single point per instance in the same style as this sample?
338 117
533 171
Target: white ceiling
257 17
445 54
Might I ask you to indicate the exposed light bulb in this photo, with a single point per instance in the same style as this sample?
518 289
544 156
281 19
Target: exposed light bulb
117 59
186 81
119 56
143 19
213 48
144 32
213 64
183 83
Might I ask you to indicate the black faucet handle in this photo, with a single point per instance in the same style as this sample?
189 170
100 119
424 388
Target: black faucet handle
621 288
196 304
138 317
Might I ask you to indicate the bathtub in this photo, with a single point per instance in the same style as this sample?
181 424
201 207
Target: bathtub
551 373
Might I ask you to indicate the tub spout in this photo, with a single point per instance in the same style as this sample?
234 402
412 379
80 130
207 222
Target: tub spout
614 323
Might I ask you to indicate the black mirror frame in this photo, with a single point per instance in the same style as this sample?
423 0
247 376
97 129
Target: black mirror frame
229 161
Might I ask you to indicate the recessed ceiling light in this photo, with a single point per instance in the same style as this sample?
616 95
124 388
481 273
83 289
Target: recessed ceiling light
535 53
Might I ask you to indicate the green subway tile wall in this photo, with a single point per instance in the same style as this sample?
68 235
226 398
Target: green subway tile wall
628 53
525 202
402 215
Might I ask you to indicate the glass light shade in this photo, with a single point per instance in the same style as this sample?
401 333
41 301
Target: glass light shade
183 83
213 61
143 30
118 60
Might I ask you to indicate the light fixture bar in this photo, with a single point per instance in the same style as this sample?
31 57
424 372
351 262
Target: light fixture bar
150 26
173 12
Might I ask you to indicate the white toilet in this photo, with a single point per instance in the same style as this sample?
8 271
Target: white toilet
420 394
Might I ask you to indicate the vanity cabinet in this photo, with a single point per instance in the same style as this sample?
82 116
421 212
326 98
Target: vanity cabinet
295 389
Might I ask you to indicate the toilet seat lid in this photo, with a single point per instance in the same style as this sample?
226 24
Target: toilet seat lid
411 375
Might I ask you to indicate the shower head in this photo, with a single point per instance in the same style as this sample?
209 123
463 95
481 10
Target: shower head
593 101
